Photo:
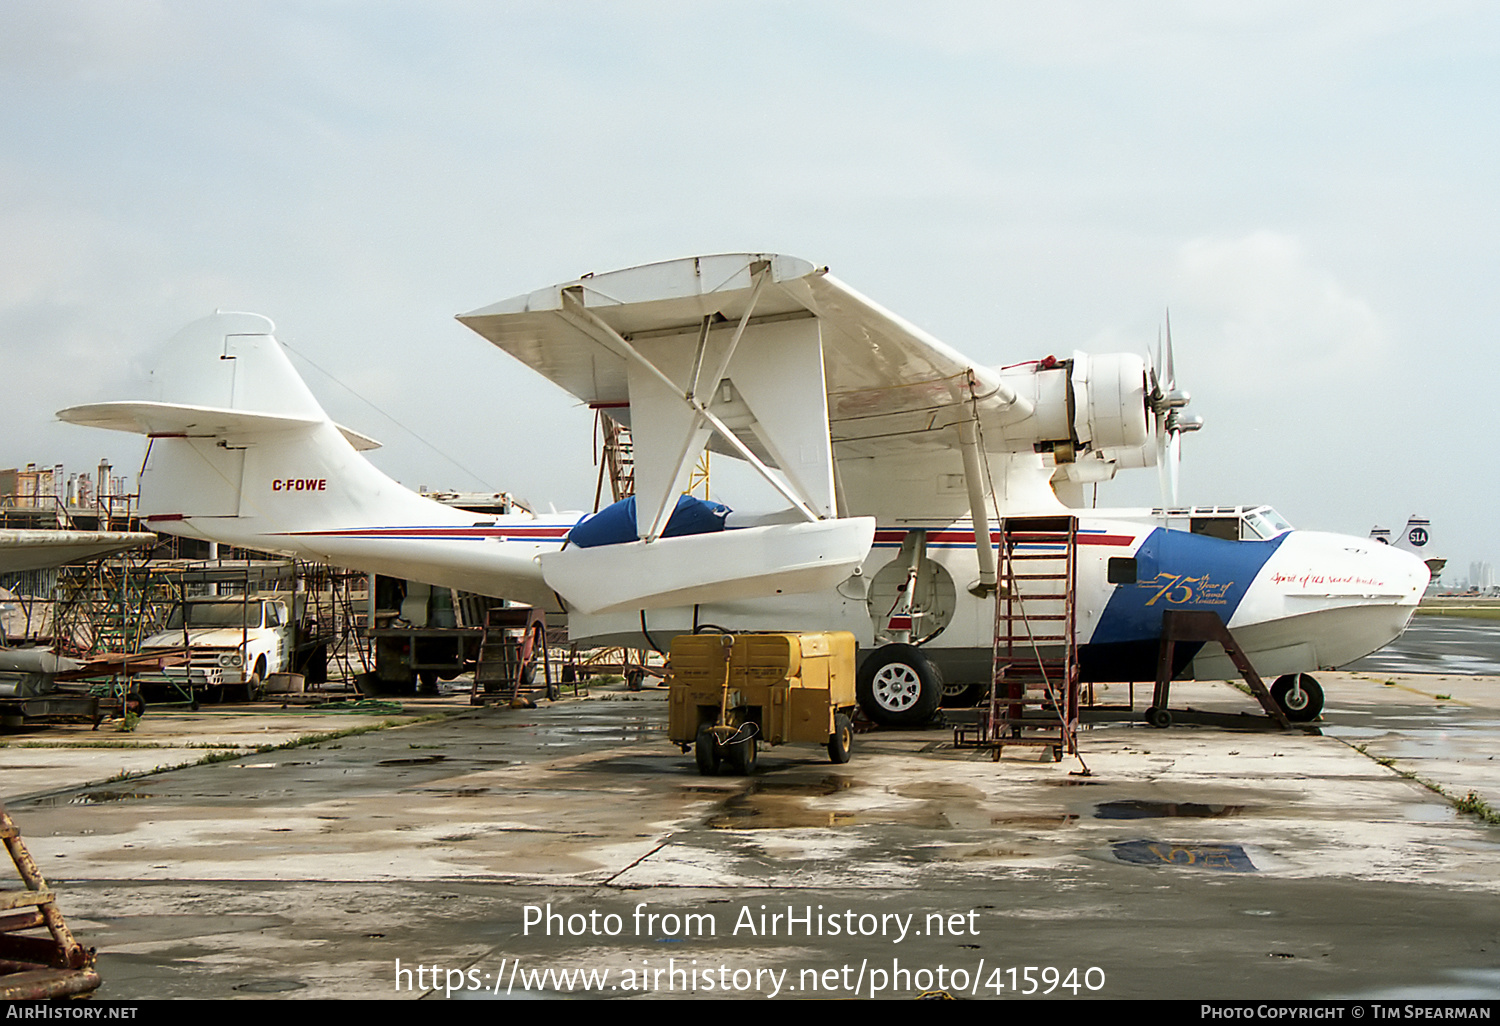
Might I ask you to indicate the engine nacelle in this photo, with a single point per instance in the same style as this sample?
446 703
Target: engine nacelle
1088 403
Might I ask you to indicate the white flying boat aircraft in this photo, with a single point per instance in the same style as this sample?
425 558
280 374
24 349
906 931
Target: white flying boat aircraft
898 459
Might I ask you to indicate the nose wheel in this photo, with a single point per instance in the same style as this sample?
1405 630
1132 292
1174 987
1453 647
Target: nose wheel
1299 695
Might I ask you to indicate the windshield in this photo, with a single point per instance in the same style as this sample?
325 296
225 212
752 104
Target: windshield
216 614
1265 522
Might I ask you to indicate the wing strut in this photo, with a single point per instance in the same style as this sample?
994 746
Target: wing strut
655 509
976 479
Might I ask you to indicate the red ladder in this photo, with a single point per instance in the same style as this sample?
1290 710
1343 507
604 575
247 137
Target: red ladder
1034 691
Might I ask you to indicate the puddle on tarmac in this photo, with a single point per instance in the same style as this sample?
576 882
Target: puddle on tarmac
618 729
99 797
1132 809
416 760
269 986
934 790
1059 819
781 805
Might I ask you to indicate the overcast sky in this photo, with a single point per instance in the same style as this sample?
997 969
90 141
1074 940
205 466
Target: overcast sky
1310 187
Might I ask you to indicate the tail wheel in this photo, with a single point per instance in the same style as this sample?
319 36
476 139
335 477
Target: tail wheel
898 687
1299 695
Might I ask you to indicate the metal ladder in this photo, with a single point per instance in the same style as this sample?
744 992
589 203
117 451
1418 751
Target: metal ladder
514 638
1034 690
618 462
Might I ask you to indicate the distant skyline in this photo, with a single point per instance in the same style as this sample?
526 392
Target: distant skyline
1310 189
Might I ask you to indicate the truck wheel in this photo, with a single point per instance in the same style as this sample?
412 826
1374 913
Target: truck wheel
254 685
898 687
842 739
741 755
706 751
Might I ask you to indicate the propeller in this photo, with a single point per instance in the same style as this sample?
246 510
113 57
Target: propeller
1166 402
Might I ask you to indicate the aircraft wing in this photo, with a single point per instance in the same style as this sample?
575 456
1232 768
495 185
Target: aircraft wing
774 360
888 383
34 550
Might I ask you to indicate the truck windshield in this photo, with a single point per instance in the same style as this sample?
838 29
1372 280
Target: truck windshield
216 614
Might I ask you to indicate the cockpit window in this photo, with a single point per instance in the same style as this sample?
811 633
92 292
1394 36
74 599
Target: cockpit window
1227 528
1264 523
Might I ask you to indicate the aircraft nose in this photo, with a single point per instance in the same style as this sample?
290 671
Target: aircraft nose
1401 566
1356 569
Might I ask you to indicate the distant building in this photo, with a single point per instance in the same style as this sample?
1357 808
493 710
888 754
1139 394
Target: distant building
1482 576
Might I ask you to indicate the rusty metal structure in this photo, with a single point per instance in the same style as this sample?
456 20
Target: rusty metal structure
36 966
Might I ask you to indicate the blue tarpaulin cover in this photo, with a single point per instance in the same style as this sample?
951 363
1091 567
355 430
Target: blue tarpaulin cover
615 524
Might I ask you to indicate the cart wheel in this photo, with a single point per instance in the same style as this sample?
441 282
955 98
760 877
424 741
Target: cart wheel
634 679
706 751
134 703
741 756
842 739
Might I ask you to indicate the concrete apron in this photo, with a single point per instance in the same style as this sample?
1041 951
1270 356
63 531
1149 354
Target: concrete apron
463 856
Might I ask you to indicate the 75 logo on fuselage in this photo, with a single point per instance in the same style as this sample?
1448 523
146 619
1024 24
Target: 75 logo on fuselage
1180 590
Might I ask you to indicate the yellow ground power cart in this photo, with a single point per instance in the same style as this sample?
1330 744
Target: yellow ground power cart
727 693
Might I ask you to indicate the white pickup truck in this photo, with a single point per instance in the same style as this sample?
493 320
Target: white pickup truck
232 644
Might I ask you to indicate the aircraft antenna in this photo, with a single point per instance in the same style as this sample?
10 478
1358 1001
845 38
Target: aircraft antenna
488 486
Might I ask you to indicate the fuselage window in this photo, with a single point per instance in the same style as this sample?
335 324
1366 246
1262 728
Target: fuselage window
1227 528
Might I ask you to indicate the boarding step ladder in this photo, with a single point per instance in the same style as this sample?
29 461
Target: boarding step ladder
511 651
618 462
1034 692
36 968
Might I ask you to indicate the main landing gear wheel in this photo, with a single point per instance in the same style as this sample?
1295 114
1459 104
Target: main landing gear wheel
842 739
962 696
1159 717
1300 697
898 687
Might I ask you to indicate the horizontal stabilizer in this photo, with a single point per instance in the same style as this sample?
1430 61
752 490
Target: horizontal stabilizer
719 567
179 420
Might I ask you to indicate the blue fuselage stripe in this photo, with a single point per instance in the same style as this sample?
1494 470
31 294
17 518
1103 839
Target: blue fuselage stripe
1178 570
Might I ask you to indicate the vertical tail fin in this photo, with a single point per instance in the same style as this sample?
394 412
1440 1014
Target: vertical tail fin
240 449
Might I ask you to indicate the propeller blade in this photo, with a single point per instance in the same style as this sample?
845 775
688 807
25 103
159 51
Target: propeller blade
1174 464
1169 369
